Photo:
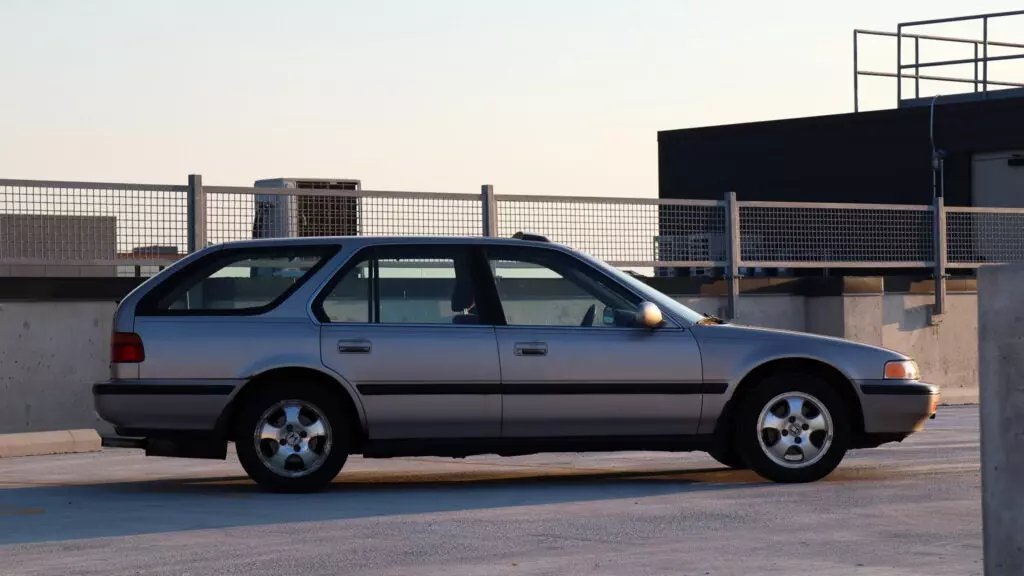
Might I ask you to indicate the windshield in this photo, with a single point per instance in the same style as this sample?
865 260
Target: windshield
662 300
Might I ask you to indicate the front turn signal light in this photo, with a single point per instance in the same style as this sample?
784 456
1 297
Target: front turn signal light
902 370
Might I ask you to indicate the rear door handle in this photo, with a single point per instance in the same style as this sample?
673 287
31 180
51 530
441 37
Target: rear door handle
531 349
354 346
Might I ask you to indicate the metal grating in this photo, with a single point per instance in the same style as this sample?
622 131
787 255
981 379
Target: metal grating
245 213
624 232
978 236
794 235
91 228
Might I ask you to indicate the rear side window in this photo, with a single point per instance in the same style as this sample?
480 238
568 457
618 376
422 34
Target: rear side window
401 284
239 281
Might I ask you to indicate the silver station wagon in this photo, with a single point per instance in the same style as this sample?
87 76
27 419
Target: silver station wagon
304 351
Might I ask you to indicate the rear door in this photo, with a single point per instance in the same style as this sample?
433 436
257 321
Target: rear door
574 364
400 324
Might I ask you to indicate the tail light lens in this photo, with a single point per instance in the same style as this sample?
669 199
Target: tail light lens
126 348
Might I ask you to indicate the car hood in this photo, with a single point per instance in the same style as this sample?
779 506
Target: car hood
752 333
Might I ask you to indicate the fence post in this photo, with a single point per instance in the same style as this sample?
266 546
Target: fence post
732 254
490 210
196 213
939 210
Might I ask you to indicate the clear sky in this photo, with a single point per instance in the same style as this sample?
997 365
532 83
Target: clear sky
533 96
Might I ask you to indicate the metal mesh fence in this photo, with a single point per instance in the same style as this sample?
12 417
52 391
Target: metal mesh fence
978 236
90 228
835 235
245 213
624 232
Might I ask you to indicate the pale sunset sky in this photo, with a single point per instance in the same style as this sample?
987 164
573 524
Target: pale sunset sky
532 96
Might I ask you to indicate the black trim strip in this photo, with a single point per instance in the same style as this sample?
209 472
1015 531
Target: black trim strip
715 387
625 388
544 389
108 389
906 389
427 389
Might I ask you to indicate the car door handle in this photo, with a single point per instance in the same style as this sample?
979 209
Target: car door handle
531 349
354 346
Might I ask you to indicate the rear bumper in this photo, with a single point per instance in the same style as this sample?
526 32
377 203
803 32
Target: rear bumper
897 407
172 405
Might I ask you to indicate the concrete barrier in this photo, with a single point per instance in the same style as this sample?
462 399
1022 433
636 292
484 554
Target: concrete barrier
42 443
1001 350
50 355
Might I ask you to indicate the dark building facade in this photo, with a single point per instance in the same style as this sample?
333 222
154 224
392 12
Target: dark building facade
882 157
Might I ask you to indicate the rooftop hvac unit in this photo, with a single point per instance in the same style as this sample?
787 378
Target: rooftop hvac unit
330 213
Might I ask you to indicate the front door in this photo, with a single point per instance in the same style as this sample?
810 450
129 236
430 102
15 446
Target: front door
400 325
574 364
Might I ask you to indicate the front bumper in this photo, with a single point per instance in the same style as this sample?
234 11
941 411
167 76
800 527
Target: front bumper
171 405
897 407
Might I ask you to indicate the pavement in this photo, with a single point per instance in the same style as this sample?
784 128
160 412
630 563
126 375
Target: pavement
901 509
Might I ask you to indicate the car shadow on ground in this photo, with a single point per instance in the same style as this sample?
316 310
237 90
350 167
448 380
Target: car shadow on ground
55 513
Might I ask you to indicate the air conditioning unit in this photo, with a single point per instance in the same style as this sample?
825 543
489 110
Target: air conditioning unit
332 211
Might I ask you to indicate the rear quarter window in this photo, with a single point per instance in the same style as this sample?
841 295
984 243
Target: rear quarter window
241 281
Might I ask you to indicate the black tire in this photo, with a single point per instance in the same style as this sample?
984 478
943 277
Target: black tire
747 440
250 414
729 458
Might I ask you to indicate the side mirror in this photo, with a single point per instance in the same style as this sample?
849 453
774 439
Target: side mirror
649 315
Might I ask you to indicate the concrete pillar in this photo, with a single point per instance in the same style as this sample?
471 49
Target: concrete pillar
1001 371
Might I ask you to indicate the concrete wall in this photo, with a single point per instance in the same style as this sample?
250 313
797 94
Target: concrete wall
1002 417
50 355
52 352
948 352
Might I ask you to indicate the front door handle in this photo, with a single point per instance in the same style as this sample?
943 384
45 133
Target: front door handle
354 346
531 349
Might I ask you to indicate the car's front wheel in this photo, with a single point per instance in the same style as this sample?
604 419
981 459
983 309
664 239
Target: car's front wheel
793 428
292 438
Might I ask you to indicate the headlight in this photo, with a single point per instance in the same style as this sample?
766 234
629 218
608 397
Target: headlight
902 370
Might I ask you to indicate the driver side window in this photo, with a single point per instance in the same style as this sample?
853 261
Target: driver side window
539 287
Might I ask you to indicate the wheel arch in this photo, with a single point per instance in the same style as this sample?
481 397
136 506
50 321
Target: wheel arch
297 374
843 385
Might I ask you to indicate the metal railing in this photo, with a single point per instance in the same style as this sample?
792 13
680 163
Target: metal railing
89 228
626 232
980 58
95 228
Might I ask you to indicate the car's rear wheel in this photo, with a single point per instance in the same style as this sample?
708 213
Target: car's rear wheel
793 428
292 438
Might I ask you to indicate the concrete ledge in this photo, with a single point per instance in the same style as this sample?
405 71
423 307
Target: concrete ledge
42 443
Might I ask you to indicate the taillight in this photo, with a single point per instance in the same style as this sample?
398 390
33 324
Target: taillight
126 348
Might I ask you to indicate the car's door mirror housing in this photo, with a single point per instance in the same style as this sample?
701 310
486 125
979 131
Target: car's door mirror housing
649 315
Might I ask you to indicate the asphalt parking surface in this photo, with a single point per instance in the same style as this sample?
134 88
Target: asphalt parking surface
902 509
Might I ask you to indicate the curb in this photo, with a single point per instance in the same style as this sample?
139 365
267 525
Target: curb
43 443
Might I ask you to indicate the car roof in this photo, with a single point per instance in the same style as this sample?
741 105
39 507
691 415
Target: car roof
378 240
